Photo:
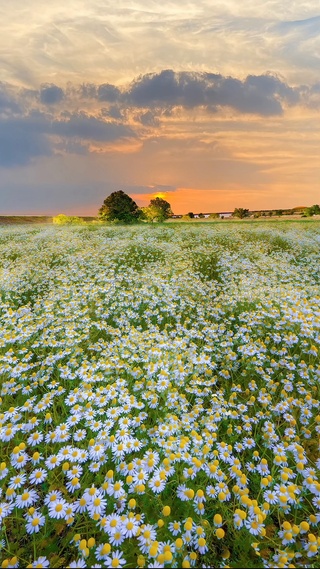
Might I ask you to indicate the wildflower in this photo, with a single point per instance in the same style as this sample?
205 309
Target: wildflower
38 476
79 564
130 527
97 505
18 481
52 497
117 537
34 522
57 509
220 533
117 559
102 553
40 562
26 499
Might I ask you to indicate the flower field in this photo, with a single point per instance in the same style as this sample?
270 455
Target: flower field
160 395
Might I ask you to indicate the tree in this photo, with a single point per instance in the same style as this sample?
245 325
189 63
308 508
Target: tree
190 214
158 210
214 216
240 212
119 207
63 219
313 210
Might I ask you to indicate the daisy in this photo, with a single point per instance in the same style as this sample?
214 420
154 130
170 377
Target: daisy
40 562
156 485
95 466
82 504
19 460
97 506
117 537
175 528
270 497
147 536
73 484
57 509
113 523
5 509
79 435
34 522
38 476
53 461
35 438
18 481
76 470
102 554
3 470
130 527
117 489
27 499
117 559
52 497
79 564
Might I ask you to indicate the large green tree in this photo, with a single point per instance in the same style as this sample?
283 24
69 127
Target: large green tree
157 210
119 207
240 212
313 210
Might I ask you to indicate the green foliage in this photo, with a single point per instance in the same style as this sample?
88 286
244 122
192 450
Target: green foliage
214 216
240 212
313 210
63 219
119 207
158 210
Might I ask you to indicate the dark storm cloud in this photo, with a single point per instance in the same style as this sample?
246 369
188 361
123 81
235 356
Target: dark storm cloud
7 100
257 94
24 138
107 92
20 141
83 126
51 94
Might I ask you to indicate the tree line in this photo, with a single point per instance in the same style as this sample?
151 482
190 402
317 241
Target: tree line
118 207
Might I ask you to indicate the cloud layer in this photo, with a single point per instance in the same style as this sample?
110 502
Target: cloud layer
87 118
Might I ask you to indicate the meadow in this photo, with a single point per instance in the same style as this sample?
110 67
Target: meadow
160 395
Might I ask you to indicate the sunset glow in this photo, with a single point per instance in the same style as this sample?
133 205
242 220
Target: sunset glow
209 106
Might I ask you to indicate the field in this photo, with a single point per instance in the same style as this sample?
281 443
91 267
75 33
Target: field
160 395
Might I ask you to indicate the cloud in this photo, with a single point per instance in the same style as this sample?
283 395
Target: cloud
264 95
21 141
50 94
132 111
26 137
7 100
83 126
107 92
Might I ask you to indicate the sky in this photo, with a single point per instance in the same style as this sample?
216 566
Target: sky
210 104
